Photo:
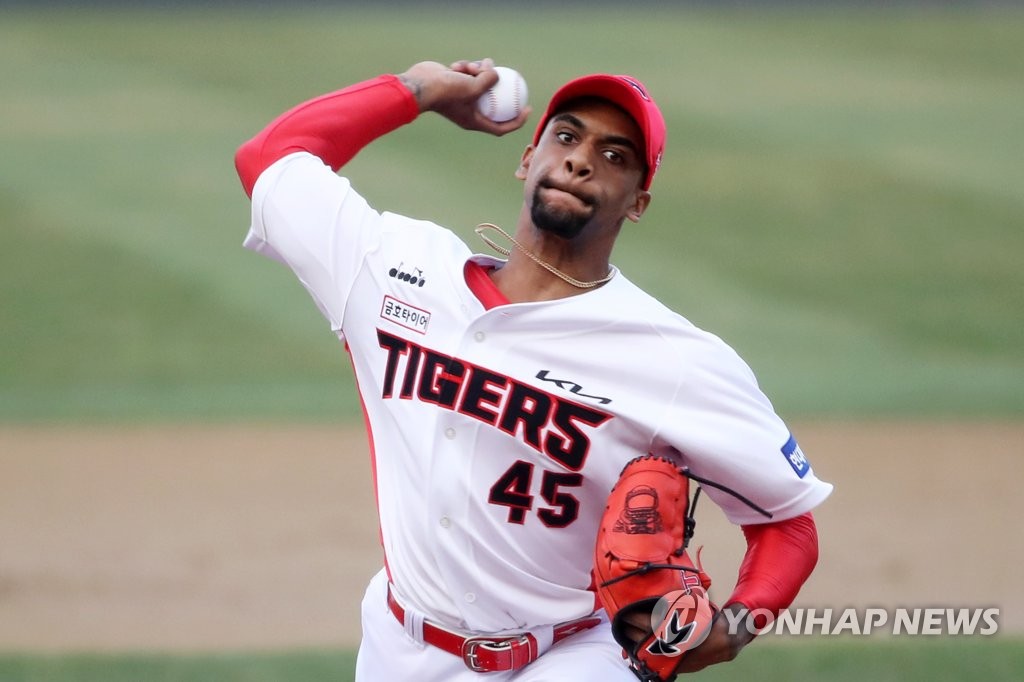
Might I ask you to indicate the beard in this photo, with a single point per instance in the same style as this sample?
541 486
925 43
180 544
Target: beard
560 222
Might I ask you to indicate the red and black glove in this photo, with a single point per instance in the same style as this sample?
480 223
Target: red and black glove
644 576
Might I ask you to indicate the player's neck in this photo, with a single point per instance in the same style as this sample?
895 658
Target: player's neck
541 267
523 281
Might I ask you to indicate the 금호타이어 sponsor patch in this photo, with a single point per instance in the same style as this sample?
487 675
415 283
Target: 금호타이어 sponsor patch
791 451
405 315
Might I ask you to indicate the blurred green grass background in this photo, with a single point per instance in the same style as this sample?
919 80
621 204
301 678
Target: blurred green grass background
841 198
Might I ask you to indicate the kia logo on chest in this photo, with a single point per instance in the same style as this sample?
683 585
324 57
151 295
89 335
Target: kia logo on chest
571 386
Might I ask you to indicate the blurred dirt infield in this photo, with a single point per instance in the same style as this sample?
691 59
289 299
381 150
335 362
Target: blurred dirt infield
212 538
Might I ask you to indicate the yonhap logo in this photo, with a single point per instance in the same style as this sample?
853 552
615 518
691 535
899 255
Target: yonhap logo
681 620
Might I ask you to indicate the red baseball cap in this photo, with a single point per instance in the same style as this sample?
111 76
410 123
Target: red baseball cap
629 94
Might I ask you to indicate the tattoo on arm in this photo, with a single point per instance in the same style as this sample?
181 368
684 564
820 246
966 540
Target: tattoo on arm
414 86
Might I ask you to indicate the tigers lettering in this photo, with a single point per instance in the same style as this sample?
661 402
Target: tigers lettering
549 424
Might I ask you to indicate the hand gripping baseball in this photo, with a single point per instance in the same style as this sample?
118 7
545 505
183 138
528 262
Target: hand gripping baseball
453 92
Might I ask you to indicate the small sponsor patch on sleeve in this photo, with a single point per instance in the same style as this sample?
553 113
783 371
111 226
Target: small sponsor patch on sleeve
791 451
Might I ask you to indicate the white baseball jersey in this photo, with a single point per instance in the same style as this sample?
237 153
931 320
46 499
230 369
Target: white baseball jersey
497 434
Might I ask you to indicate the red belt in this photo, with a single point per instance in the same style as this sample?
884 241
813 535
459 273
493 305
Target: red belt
491 653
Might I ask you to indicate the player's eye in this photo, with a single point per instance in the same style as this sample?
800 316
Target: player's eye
565 136
614 156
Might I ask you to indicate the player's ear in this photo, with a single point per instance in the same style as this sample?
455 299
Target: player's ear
524 163
640 204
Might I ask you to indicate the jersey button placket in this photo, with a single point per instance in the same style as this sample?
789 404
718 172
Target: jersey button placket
455 525
448 490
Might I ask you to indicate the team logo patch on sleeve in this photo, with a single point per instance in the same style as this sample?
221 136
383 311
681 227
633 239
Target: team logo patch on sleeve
405 315
791 451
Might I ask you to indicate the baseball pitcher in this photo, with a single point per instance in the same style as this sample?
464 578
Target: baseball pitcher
540 427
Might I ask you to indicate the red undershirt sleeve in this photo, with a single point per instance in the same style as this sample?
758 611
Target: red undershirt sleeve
332 127
780 557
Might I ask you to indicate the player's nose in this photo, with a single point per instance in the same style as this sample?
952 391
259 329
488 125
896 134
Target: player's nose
578 161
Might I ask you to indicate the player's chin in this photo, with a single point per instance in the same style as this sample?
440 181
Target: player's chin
559 221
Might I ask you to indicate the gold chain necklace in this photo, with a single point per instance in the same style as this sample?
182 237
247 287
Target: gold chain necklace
482 227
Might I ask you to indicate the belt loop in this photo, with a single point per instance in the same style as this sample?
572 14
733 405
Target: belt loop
545 637
414 626
412 621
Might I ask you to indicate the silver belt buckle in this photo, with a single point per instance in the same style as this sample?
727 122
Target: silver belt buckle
471 644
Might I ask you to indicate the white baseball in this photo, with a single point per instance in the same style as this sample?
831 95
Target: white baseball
506 99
